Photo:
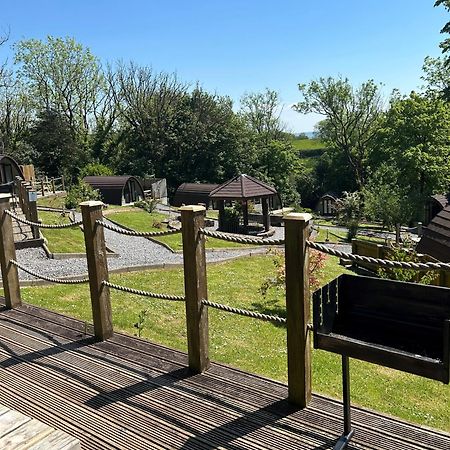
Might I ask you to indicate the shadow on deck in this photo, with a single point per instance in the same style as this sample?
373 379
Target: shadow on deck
129 393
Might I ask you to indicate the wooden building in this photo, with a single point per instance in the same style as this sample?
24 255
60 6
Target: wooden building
434 205
117 190
435 240
9 170
327 204
193 194
244 188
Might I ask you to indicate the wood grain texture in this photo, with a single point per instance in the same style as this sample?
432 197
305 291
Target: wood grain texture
133 394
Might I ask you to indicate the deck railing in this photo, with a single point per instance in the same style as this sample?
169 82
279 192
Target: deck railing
296 246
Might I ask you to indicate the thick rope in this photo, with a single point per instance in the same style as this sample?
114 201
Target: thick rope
135 233
43 225
379 262
175 298
241 239
244 312
46 278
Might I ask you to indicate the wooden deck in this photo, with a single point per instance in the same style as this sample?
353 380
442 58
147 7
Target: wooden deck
130 394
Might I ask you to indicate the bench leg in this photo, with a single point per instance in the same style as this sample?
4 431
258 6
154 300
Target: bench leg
348 431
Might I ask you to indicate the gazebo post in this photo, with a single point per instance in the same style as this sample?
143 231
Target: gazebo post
245 211
221 212
265 211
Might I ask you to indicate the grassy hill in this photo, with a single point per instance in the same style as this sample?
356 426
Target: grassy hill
309 150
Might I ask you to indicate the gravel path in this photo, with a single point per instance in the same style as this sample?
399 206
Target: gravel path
132 251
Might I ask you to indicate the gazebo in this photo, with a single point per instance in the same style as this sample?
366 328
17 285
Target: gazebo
244 188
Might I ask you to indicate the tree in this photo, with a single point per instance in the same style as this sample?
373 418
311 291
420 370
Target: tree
445 44
53 141
261 111
415 138
437 77
352 117
385 198
62 76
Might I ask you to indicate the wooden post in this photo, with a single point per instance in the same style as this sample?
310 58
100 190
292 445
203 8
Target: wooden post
245 214
298 308
265 212
94 239
42 188
194 260
10 274
53 186
221 213
33 212
63 188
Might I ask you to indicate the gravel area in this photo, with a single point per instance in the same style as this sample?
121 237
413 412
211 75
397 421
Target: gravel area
132 251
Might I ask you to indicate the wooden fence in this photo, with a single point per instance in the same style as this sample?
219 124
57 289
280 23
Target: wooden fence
26 196
195 285
374 250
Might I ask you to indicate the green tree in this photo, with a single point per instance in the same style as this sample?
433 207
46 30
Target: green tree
445 44
63 76
415 139
385 199
56 151
437 77
351 117
261 111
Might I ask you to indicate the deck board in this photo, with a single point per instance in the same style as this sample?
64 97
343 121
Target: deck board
129 393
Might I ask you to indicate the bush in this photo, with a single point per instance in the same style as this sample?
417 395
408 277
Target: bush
230 218
146 205
80 192
353 225
95 169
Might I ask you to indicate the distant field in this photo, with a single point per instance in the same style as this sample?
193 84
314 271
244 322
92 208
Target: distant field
308 144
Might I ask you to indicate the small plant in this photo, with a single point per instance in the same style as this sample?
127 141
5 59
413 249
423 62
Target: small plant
147 205
140 324
157 224
405 252
80 192
316 265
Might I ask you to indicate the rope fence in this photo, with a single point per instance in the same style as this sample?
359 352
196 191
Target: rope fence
43 225
379 262
118 287
244 312
134 232
241 239
46 278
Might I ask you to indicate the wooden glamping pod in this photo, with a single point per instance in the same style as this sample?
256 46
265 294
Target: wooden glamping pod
9 170
117 190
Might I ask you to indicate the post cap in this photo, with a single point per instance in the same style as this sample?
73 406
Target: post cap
303 217
193 208
92 203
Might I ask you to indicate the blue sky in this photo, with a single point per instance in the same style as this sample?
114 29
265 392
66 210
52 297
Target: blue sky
233 47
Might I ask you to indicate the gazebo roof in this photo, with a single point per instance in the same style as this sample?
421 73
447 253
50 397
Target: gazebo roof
243 187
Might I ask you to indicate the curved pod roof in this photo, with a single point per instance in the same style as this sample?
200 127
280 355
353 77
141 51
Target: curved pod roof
117 190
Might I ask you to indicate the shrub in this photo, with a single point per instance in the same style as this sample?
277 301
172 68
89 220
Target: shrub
146 205
80 192
95 169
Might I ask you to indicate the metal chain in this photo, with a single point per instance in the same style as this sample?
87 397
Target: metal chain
244 312
241 239
133 232
377 261
42 225
46 278
175 298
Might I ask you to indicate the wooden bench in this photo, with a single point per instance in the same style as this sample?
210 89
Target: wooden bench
18 431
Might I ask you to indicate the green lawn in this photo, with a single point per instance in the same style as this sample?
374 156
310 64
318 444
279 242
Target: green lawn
66 240
54 201
250 344
140 220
